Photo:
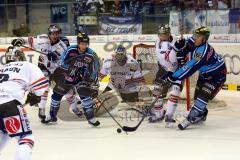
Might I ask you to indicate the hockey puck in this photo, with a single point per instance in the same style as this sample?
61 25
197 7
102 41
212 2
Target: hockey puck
119 130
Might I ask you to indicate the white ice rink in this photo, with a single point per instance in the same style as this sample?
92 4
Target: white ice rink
217 139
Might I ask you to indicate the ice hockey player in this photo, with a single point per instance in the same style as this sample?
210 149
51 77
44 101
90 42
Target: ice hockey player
167 62
212 73
79 66
125 74
18 76
51 45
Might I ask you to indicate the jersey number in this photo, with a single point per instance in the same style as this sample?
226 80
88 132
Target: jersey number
4 77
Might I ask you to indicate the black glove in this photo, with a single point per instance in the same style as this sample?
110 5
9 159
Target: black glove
84 73
52 56
170 79
180 44
32 99
18 42
181 61
162 78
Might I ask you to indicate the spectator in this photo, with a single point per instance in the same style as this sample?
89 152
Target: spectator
224 4
78 9
200 4
189 4
95 6
22 31
136 7
118 8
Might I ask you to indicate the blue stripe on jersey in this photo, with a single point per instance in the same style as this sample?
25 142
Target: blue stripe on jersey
184 70
207 69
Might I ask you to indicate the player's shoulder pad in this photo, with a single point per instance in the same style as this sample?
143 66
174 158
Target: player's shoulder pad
191 41
200 52
91 52
62 44
72 47
42 36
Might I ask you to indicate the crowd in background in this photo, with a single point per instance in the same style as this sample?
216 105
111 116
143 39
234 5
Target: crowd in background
135 7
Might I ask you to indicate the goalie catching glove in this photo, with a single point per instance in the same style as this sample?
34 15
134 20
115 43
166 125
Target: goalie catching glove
32 99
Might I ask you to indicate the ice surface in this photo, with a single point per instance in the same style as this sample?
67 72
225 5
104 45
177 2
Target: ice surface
217 139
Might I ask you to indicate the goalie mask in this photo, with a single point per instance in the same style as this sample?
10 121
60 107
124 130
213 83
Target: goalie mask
14 54
121 55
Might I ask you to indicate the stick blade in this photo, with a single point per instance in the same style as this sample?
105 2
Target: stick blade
129 129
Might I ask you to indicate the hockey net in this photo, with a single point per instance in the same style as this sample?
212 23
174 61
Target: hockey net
146 56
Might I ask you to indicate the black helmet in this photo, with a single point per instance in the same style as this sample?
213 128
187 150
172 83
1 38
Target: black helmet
82 37
14 54
54 28
164 29
203 31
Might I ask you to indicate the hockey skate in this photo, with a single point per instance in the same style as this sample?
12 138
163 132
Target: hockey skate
52 119
188 121
94 122
169 122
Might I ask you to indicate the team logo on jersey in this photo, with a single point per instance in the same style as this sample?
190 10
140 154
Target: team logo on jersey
13 125
88 59
198 56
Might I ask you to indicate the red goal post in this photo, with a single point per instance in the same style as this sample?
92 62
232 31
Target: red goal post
146 55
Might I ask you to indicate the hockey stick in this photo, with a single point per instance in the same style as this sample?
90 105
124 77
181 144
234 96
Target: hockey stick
34 50
132 129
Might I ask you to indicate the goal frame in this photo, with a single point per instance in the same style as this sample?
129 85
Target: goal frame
187 81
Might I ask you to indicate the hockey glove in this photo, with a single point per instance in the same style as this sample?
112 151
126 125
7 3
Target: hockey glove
181 61
170 79
180 44
32 99
52 56
18 42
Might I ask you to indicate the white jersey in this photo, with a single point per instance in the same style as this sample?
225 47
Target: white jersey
43 44
166 56
18 77
121 76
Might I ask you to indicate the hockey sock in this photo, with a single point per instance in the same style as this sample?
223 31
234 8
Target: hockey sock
4 138
55 104
171 105
43 101
24 152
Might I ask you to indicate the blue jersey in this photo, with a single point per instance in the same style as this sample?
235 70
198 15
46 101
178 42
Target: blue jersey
204 59
72 52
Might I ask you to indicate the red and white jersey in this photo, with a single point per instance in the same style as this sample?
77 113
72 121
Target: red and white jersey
166 55
42 43
121 76
18 77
